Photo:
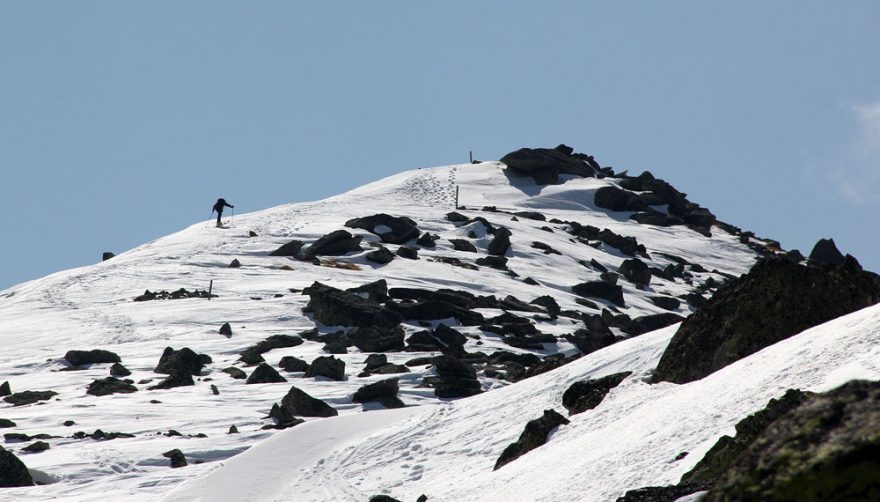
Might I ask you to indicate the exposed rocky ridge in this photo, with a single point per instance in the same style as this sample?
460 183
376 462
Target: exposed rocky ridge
825 449
775 300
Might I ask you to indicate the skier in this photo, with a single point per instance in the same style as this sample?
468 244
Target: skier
218 206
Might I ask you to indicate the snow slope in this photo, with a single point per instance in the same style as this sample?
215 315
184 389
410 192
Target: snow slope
92 307
631 440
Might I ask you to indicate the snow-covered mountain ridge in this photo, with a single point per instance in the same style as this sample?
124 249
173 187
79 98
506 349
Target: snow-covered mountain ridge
421 448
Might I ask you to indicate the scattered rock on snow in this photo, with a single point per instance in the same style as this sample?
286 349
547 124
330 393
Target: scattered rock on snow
254 353
29 397
36 447
234 372
5 389
96 356
384 392
587 394
455 378
380 256
293 364
226 329
377 338
534 435
110 385
297 402
391 229
334 307
13 472
600 289
178 459
265 374
328 367
118 370
183 361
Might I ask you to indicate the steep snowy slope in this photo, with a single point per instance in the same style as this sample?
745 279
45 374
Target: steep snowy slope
632 439
92 307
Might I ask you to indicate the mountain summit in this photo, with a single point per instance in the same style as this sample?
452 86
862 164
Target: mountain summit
398 339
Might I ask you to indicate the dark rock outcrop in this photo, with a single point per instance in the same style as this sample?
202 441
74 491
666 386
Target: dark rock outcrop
291 249
826 252
29 397
383 392
110 385
265 374
500 242
13 472
96 356
774 301
825 449
381 256
118 370
636 271
660 493
651 322
335 307
184 361
297 402
327 366
587 394
600 289
225 330
178 459
455 378
5 389
336 243
463 245
254 353
235 373
391 229
617 199
291 363
173 380
727 449
377 338
534 435
545 165
410 253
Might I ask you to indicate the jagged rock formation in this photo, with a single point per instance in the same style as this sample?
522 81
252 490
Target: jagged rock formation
545 165
775 300
587 394
825 449
391 229
534 435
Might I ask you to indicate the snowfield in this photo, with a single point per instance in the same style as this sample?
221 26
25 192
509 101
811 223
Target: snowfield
445 449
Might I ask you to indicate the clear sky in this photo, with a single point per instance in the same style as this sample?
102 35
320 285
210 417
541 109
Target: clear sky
121 122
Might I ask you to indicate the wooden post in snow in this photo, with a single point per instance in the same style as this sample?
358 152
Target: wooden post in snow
456 196
210 288
471 156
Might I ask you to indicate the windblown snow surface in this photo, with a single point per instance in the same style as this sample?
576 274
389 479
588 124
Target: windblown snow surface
445 449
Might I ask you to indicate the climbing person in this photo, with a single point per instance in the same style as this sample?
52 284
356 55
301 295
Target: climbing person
218 206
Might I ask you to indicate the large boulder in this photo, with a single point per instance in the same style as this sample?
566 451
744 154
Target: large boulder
383 392
110 385
391 229
636 271
727 449
298 402
600 289
335 307
825 449
377 338
265 374
775 300
29 397
545 165
184 361
534 435
336 243
328 367
617 199
587 394
292 249
13 472
95 356
826 252
455 378
254 353
436 309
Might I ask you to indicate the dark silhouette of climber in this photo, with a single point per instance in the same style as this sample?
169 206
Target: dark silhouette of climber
218 206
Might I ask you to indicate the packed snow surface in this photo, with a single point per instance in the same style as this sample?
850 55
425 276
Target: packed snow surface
444 449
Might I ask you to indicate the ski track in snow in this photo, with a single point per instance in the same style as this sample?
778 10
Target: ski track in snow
92 307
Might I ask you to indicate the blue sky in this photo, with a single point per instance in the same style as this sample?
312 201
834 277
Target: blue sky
121 122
